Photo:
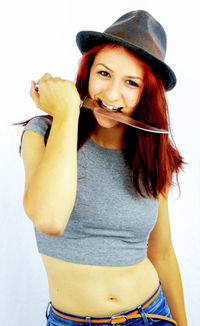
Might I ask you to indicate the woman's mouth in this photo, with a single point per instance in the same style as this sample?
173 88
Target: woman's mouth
108 107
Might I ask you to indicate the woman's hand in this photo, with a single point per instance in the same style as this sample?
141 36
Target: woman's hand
57 97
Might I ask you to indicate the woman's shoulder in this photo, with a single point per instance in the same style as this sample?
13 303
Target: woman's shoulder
39 124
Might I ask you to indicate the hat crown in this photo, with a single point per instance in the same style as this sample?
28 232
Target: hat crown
141 29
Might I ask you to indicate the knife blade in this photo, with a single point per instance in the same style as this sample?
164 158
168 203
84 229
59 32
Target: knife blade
93 105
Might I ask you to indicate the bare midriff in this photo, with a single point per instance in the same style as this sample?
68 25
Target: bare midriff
99 290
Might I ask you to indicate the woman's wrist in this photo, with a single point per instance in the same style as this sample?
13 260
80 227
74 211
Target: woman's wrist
67 114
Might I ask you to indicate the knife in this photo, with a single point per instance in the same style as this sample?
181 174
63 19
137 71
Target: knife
93 105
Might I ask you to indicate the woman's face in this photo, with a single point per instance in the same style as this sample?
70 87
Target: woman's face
117 80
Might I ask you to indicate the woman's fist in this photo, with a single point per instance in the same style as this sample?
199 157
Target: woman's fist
56 96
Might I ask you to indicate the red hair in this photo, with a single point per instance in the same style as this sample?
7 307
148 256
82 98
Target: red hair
153 158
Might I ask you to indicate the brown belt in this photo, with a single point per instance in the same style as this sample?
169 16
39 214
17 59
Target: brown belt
121 318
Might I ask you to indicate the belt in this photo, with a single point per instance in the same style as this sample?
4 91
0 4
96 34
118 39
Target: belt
120 318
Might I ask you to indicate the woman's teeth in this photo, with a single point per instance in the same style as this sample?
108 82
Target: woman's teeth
109 108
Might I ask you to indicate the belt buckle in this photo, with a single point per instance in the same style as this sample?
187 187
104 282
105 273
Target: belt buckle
118 319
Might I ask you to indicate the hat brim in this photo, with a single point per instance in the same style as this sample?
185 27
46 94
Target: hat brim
86 40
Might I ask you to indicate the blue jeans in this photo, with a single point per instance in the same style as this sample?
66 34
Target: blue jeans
158 306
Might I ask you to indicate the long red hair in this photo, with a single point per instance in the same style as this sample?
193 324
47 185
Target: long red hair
153 158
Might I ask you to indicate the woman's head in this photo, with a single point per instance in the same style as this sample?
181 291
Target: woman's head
117 77
116 80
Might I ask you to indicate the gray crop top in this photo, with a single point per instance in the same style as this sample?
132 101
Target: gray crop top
109 224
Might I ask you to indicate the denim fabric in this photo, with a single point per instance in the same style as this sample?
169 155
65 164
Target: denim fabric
159 307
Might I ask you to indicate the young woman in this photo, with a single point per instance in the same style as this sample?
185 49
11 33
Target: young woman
100 213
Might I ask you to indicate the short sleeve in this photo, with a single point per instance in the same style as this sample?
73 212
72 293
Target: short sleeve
39 125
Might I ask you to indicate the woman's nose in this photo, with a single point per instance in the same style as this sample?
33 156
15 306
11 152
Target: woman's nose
113 92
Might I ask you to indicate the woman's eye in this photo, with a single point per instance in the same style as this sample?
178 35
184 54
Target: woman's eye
104 73
132 83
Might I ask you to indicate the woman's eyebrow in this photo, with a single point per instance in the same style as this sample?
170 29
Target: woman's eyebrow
131 77
102 64
134 77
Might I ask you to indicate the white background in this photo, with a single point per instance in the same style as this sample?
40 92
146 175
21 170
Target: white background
39 36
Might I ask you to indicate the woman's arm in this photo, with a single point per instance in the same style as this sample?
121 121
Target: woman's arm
162 255
51 171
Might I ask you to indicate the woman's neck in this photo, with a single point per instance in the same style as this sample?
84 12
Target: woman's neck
111 138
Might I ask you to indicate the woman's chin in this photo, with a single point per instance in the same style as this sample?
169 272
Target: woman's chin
105 122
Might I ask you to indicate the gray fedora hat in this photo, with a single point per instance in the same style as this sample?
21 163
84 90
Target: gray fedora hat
140 33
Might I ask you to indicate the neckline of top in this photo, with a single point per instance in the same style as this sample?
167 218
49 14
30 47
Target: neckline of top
105 149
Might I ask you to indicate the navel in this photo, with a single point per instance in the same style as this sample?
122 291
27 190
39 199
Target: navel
112 299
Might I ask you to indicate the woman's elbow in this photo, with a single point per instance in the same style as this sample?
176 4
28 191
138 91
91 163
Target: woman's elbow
52 229
46 222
